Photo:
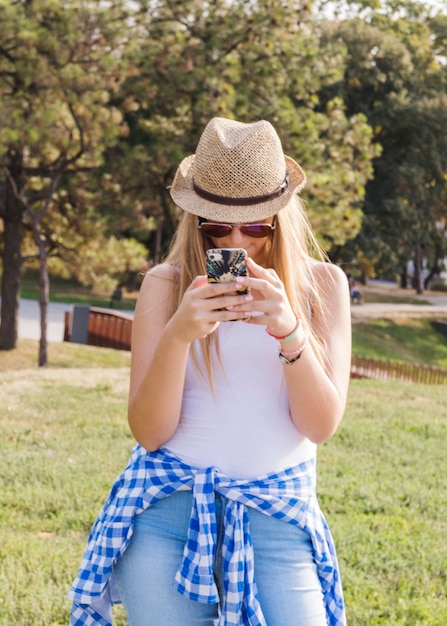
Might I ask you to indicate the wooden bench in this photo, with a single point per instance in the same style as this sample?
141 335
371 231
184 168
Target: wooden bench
105 328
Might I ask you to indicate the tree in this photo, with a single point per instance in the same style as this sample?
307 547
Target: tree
193 60
102 100
394 75
58 65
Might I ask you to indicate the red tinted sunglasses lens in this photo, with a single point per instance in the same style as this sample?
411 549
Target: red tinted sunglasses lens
256 230
215 230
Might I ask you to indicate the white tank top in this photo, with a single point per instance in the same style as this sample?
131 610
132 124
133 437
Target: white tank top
244 428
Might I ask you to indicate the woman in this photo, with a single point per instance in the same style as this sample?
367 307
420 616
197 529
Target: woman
215 519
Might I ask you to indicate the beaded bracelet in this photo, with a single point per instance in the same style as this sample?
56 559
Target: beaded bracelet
285 356
290 336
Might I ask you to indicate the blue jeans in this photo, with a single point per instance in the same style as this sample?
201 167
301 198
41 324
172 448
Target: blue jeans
285 573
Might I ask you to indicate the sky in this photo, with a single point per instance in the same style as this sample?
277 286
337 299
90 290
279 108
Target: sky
438 4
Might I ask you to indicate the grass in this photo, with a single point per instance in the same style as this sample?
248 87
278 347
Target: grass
62 356
64 438
393 298
382 485
406 339
69 292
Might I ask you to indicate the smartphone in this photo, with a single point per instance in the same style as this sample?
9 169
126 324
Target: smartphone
223 265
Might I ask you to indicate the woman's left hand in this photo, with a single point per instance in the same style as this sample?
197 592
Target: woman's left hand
270 304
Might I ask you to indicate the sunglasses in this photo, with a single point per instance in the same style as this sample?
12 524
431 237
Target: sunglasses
216 230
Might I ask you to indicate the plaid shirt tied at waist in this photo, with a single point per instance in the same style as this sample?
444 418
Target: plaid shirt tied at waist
150 476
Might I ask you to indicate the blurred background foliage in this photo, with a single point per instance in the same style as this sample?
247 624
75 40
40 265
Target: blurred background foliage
99 101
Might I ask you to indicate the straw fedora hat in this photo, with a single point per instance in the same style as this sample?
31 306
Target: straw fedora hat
238 173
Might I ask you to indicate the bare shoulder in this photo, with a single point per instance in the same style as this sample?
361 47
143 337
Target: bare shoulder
156 288
330 279
159 277
165 271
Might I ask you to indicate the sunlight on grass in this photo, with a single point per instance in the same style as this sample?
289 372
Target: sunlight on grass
62 355
64 437
408 339
70 292
393 298
382 486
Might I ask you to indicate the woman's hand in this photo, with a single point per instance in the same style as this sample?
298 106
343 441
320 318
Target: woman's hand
204 305
270 300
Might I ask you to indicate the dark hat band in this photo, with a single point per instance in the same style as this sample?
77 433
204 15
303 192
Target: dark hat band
207 195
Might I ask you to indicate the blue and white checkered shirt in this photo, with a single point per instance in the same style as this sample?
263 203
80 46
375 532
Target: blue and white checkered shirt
150 476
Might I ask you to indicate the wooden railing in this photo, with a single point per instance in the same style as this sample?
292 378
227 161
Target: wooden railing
106 328
382 369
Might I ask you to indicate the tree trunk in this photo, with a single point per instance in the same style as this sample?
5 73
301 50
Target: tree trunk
44 289
44 293
434 270
418 285
403 278
12 255
12 262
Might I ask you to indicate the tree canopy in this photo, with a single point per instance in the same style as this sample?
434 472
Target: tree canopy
396 75
100 101
59 66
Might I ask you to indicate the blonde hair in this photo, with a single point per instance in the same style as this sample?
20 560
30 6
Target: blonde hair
292 251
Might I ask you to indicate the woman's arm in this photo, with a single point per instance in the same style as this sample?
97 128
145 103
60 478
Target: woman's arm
317 392
158 363
160 348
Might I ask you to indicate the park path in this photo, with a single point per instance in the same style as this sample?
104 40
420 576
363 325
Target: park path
368 310
29 320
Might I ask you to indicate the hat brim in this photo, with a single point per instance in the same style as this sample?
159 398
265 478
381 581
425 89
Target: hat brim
183 194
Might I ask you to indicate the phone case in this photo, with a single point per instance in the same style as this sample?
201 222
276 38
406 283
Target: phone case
223 265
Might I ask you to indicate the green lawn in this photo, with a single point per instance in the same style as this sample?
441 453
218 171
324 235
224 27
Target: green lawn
69 292
408 339
393 297
64 438
382 485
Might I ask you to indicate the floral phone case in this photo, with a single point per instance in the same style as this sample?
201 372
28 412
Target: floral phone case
223 265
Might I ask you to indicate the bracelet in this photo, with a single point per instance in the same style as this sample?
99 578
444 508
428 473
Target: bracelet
284 356
291 335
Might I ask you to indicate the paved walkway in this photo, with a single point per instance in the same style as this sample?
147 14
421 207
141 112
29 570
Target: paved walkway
388 310
436 308
29 320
